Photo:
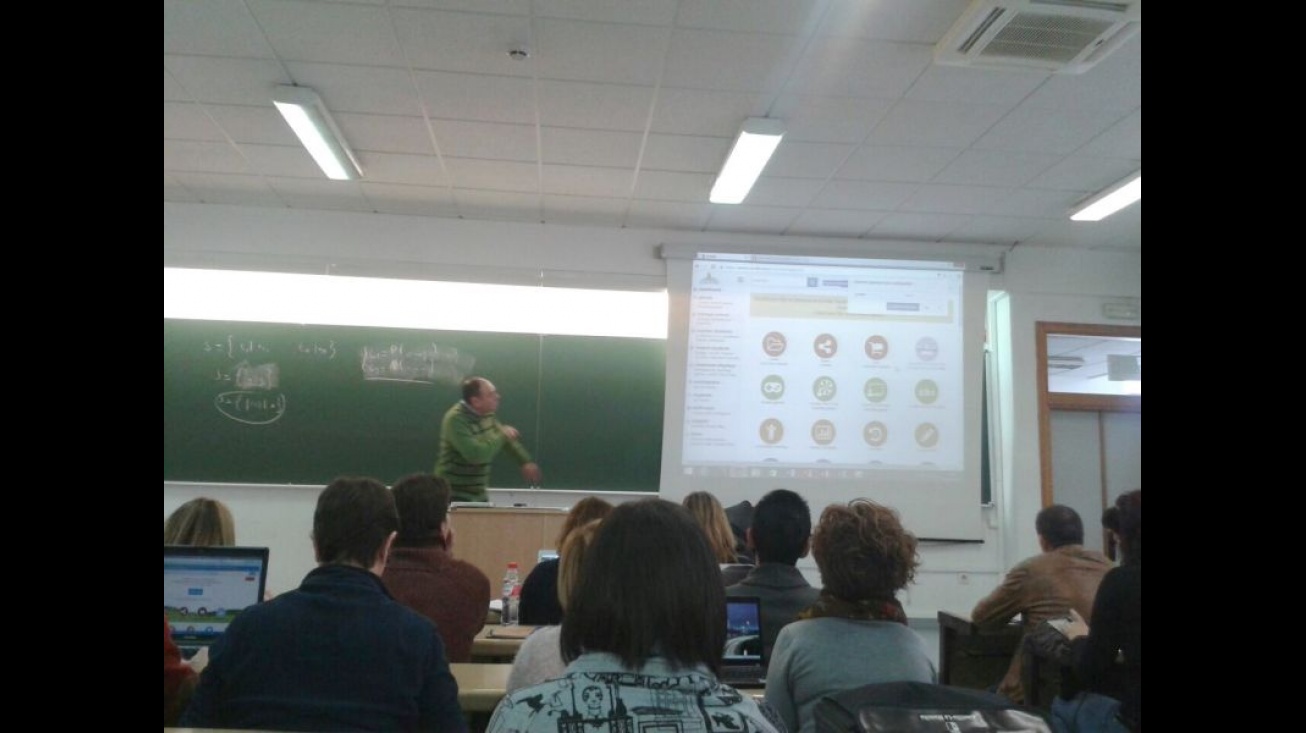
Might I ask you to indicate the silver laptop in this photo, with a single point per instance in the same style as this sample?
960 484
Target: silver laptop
204 588
743 664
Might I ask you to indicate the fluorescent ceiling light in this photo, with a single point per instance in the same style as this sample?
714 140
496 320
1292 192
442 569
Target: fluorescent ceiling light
1110 200
752 149
308 117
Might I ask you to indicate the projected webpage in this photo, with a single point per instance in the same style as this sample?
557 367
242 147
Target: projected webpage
821 369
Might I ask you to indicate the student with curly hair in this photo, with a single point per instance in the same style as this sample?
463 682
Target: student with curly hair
856 633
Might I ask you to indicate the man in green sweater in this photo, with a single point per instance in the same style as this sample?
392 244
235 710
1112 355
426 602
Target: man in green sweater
470 438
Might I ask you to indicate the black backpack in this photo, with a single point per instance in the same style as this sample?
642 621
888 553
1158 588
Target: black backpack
921 707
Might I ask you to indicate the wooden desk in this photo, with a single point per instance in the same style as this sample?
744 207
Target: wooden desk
490 538
487 648
480 686
973 657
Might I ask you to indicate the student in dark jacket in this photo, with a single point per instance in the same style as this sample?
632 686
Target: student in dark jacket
539 593
338 653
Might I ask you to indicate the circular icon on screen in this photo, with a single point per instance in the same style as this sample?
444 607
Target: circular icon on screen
877 347
823 389
823 432
927 391
927 435
875 389
826 346
771 430
875 433
774 343
773 387
927 348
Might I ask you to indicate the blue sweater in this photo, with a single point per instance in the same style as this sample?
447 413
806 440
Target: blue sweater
338 653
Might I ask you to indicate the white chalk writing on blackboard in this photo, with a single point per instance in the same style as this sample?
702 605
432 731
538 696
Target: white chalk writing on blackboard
252 408
425 363
234 347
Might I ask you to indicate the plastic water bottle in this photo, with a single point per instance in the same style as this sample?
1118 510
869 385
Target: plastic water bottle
511 596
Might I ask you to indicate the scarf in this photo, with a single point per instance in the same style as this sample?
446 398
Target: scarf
866 609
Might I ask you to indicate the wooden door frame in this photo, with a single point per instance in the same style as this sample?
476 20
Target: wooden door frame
1065 401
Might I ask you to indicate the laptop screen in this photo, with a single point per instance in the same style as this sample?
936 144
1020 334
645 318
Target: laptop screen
204 588
743 631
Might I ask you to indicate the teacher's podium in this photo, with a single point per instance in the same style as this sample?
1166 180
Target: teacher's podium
492 537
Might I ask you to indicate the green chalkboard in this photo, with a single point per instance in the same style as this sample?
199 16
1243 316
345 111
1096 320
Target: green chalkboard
285 403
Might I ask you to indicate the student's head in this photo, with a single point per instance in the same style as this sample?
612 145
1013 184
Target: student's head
200 522
570 556
782 527
863 551
710 515
582 512
481 395
1127 524
650 585
422 500
354 521
1059 525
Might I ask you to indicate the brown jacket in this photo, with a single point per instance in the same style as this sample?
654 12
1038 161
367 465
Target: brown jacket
452 593
1039 588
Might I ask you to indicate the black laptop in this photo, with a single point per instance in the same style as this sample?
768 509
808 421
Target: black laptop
743 664
204 588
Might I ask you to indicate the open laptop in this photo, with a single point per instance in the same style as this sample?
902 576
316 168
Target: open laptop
204 588
742 664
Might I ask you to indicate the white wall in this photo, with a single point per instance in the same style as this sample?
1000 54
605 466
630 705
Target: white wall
1039 284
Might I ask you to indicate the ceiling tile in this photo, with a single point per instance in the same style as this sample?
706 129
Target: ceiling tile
807 160
752 16
496 205
732 62
995 229
995 168
975 86
1047 130
173 190
594 106
629 54
212 28
1030 202
488 140
230 189
920 227
668 214
862 195
829 119
644 12
1079 173
835 222
935 124
859 68
688 153
422 170
290 161
493 175
772 191
944 199
476 97
386 133
226 81
574 180
584 210
569 146
715 114
758 219
926 23
246 124
904 164
362 89
302 30
188 121
201 155
502 7
672 186
464 42
1124 139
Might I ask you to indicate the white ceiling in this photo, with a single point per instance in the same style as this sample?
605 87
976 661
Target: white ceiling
625 109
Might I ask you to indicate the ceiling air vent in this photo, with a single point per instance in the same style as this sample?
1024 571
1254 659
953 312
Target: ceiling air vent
1064 36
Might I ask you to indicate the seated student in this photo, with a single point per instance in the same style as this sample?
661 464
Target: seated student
780 534
539 592
178 678
200 522
643 637
1113 699
338 653
711 516
540 656
1064 576
856 633
422 572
